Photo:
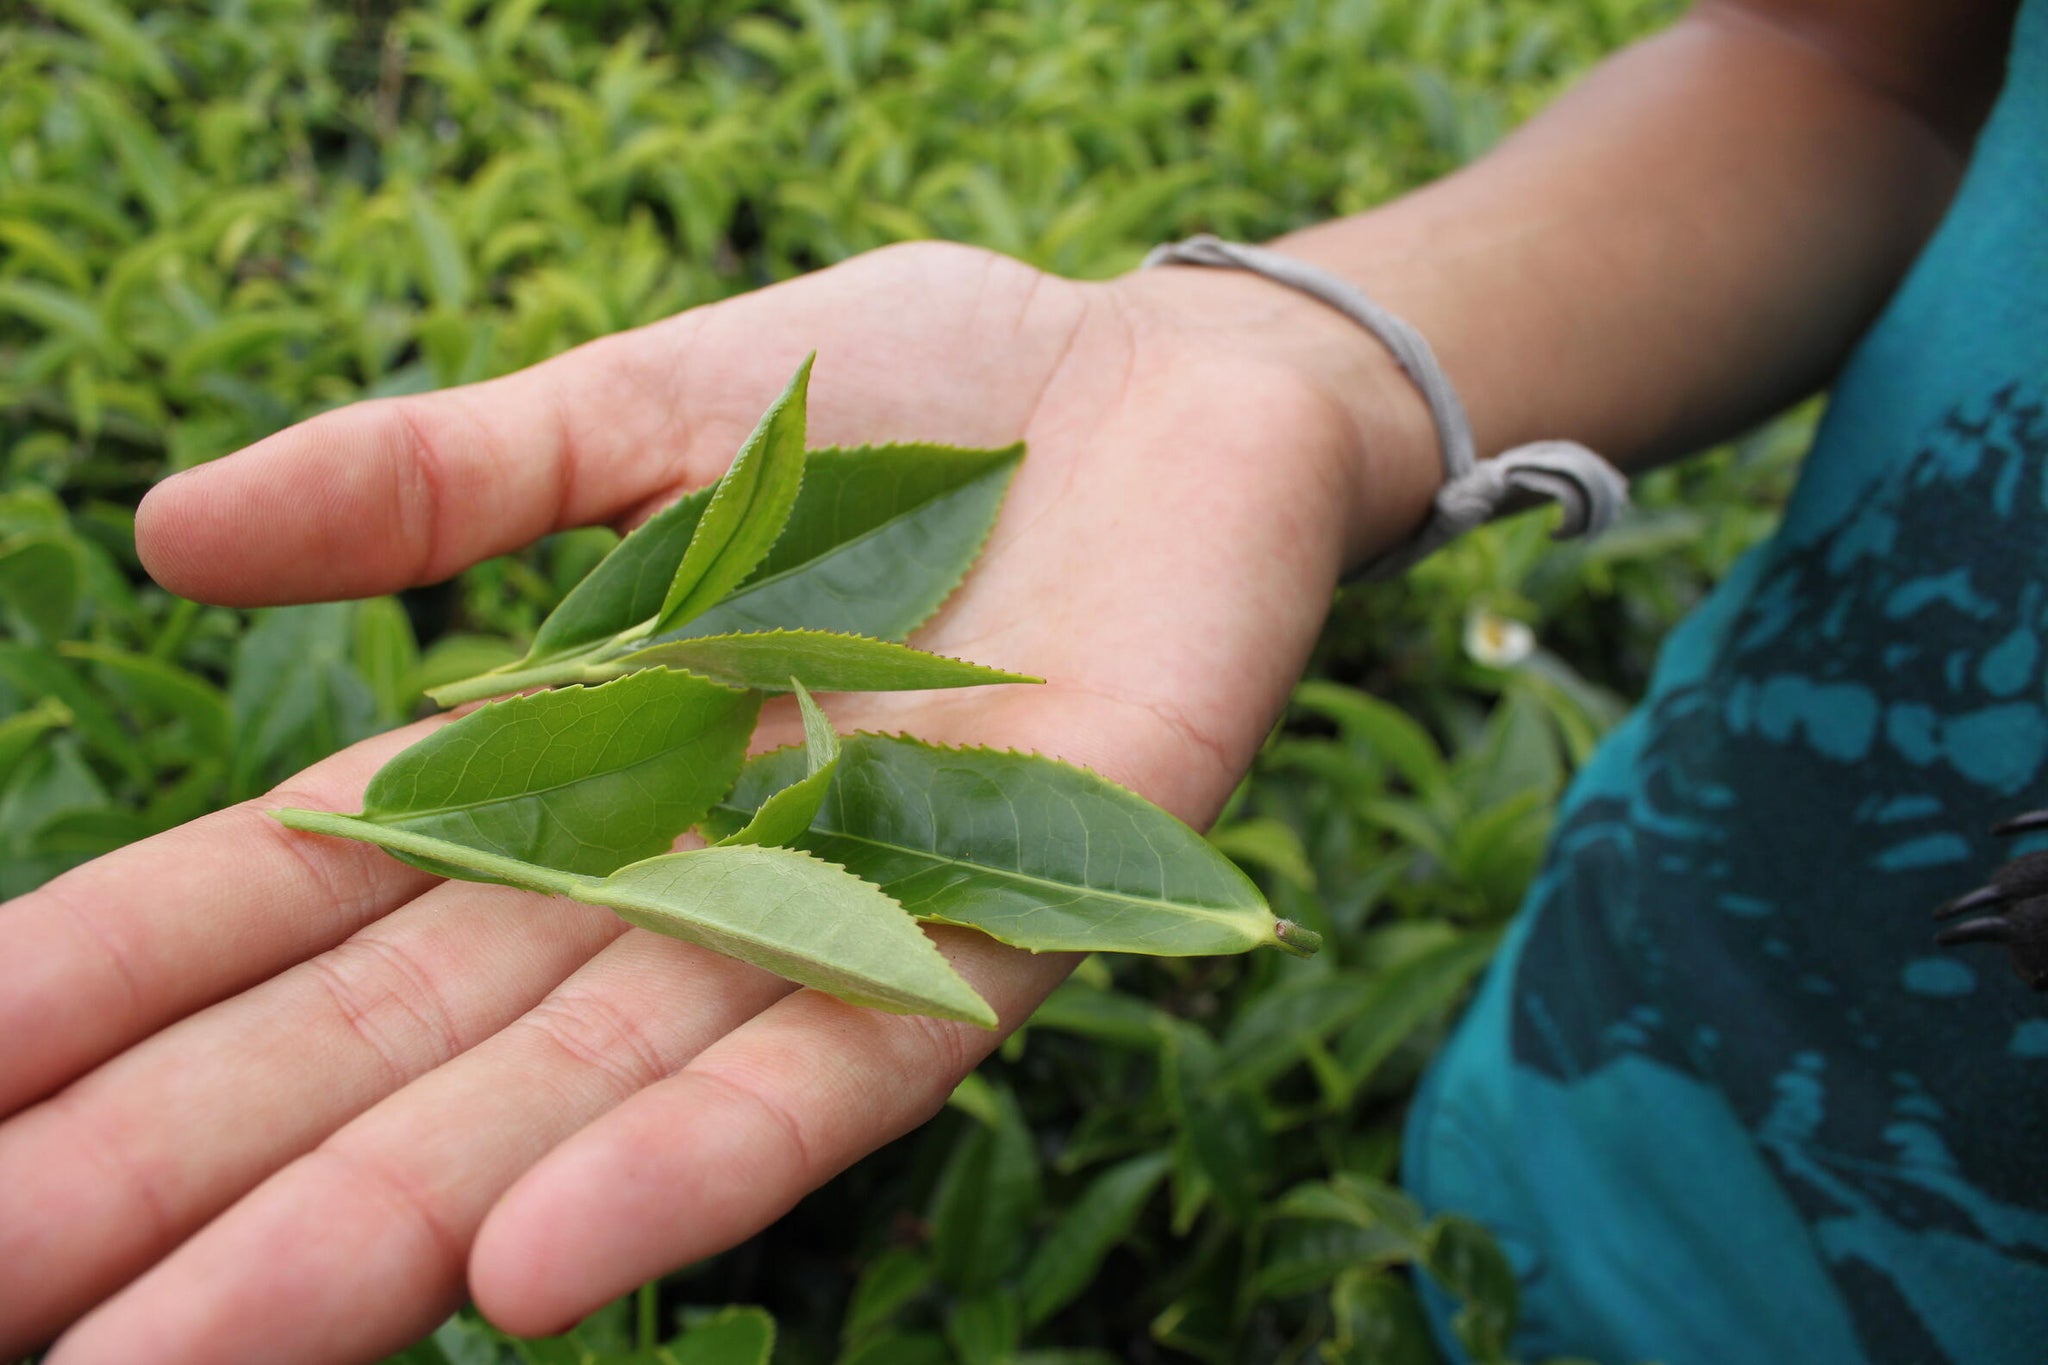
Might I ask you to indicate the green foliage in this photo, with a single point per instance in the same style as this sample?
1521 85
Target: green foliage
574 791
768 660
748 509
799 917
779 908
215 220
1032 852
727 1336
785 814
583 780
854 552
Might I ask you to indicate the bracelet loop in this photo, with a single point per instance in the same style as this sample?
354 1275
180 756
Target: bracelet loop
1591 491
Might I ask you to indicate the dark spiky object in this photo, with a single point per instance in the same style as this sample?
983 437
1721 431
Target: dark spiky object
2016 902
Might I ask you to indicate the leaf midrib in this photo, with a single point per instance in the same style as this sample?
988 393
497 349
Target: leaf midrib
1178 907
603 892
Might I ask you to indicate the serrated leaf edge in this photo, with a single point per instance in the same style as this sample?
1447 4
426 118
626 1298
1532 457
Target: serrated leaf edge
1013 448
1003 675
741 933
365 815
795 395
980 545
1282 932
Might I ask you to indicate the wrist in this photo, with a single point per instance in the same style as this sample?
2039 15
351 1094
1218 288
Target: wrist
1384 442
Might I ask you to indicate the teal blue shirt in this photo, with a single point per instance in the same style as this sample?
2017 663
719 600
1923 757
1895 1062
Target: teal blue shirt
1721 1098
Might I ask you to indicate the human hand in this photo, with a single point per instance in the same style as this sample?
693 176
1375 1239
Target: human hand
271 1096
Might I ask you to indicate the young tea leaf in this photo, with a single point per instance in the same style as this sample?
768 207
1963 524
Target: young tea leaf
584 780
789 812
39 579
1032 852
986 1197
785 911
880 536
627 587
733 1336
34 672
747 511
799 917
20 731
1062 1265
891 1280
163 688
768 660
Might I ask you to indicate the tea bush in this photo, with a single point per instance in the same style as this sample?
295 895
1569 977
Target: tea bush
216 219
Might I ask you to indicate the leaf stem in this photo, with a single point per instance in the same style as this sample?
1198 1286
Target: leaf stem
647 1304
498 682
529 875
1296 939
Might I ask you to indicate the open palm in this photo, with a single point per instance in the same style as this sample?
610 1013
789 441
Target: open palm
283 1097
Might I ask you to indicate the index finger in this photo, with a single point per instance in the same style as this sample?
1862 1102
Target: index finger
393 492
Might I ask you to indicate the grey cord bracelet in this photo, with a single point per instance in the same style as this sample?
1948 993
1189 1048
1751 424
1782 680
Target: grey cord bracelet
1591 491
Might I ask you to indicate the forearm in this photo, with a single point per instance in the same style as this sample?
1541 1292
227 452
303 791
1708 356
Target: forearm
1685 243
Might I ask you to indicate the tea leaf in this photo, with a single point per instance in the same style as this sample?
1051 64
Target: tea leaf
985 1199
1096 1221
1407 995
901 1348
1382 728
799 917
852 491
733 1336
1301 1259
789 812
785 911
1265 842
292 695
585 780
983 1329
769 659
880 537
891 1280
20 731
1377 1322
167 689
747 511
1267 1038
39 580
1111 1017
877 538
1227 1145
37 673
387 655
1466 1261
628 586
113 30
1030 851
1363 1203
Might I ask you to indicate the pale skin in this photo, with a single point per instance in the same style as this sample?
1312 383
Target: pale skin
274 1096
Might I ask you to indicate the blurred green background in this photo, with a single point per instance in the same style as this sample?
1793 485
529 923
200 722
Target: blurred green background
218 218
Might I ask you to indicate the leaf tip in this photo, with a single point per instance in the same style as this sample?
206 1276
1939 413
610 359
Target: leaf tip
980 1013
